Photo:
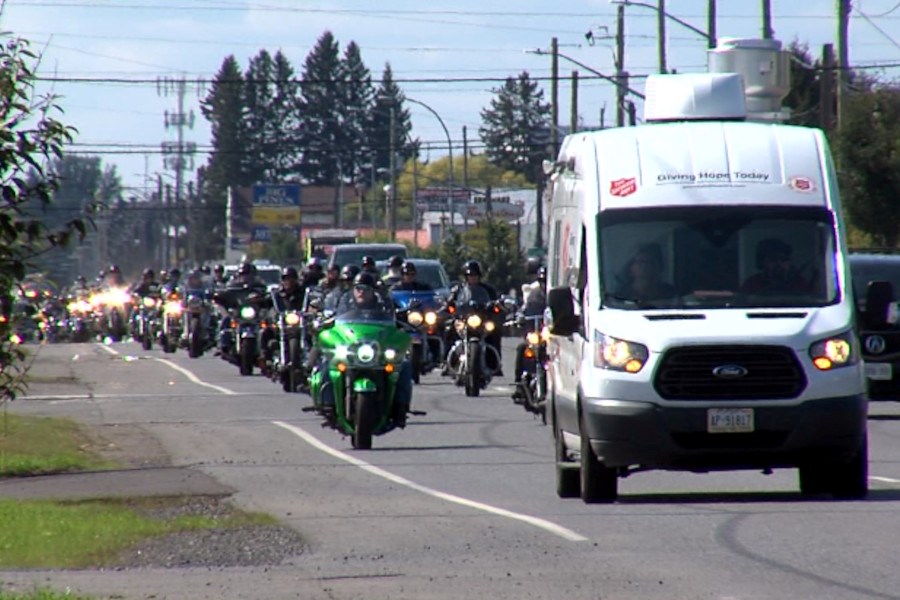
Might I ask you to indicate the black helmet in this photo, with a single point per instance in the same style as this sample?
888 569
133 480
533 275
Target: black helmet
148 272
542 274
246 269
334 268
81 279
175 273
472 268
219 268
289 273
349 272
364 278
113 269
395 262
368 261
101 274
314 264
205 269
408 267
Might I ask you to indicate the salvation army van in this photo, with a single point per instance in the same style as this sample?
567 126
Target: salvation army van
699 299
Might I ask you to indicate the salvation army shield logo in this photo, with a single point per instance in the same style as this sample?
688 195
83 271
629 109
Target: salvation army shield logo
623 187
802 184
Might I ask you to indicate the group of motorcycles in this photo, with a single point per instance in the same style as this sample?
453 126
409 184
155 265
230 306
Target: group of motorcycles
354 365
351 364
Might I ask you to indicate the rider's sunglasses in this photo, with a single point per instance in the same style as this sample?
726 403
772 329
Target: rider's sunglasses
361 288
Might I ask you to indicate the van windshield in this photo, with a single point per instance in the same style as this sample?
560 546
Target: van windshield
717 257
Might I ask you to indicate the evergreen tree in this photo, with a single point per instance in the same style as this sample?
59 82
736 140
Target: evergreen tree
322 105
285 124
389 95
515 128
355 148
803 99
260 125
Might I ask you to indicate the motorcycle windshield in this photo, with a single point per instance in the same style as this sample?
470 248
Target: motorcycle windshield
403 298
375 315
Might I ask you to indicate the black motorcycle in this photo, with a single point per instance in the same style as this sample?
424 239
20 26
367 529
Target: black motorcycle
471 361
240 332
531 388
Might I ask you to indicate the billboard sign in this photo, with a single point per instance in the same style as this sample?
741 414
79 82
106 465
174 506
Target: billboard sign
275 205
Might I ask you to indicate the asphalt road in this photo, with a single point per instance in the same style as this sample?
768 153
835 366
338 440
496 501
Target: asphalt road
462 502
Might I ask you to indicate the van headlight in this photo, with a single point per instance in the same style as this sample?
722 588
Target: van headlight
618 355
834 352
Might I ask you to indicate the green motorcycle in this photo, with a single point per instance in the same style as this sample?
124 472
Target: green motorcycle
364 351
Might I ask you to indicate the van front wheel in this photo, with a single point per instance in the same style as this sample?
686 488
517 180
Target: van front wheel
599 483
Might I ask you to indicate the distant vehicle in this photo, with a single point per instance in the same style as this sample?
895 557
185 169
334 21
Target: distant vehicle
880 341
428 271
270 274
352 254
320 244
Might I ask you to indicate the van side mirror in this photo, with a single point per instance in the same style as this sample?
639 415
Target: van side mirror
563 320
879 295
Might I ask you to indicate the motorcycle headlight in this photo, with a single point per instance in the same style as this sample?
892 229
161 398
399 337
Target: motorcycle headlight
534 338
366 353
117 297
430 318
415 318
473 321
248 312
390 354
489 326
834 352
173 307
292 319
148 302
618 355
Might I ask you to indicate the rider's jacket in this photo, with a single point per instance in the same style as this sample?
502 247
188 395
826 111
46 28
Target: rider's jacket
479 292
145 288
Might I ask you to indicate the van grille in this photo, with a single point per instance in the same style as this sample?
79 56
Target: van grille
770 372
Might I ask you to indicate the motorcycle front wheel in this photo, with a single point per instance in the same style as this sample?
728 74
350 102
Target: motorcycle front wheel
365 413
195 343
247 357
473 380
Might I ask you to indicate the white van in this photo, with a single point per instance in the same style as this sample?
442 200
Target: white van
700 300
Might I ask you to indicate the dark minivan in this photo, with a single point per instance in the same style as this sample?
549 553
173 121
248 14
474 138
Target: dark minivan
879 329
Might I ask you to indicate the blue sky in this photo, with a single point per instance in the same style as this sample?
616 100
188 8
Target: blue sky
447 55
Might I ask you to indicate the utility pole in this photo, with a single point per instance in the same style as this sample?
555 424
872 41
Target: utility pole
178 155
465 133
661 35
621 76
767 31
573 118
554 96
711 24
844 7
826 89
391 215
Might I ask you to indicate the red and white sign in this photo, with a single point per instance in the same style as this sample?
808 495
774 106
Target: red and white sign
802 184
623 187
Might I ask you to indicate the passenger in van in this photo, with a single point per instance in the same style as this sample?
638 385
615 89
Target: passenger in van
777 273
645 281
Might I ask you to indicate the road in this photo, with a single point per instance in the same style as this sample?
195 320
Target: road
462 502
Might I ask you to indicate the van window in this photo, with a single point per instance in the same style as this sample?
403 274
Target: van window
703 257
865 268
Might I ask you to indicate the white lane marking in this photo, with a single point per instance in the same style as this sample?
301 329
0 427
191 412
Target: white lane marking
58 398
502 388
193 377
109 349
553 528
884 479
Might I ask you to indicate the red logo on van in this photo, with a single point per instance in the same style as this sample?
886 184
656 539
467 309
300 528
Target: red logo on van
802 184
623 187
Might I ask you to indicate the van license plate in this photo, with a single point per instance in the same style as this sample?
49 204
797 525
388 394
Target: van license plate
729 420
878 371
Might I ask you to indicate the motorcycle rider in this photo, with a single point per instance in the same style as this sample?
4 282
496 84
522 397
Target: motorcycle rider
408 282
368 265
312 274
114 277
244 279
147 284
219 280
535 295
333 299
394 274
474 289
364 296
288 296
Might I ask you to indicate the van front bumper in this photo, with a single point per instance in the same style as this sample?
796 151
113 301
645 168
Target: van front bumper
626 433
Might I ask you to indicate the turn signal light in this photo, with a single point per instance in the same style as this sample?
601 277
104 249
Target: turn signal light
389 368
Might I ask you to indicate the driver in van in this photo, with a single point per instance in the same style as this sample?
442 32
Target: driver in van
777 274
645 281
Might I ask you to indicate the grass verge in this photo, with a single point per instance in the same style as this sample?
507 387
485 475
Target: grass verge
91 533
45 445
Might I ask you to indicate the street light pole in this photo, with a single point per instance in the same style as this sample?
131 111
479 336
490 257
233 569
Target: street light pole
450 152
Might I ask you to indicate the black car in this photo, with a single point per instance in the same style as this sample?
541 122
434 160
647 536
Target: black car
880 339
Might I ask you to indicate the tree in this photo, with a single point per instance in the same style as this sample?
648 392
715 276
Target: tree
515 128
322 101
260 118
355 149
30 137
285 125
805 94
388 96
867 151
454 253
493 244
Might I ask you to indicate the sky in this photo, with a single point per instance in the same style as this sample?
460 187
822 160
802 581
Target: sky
106 58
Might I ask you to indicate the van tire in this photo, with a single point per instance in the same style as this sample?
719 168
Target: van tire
813 480
599 483
568 478
850 479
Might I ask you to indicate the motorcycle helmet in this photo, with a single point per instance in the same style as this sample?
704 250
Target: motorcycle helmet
101 274
246 269
289 273
314 264
472 267
175 273
364 278
148 273
395 262
408 267
368 261
219 269
113 269
349 272
542 274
